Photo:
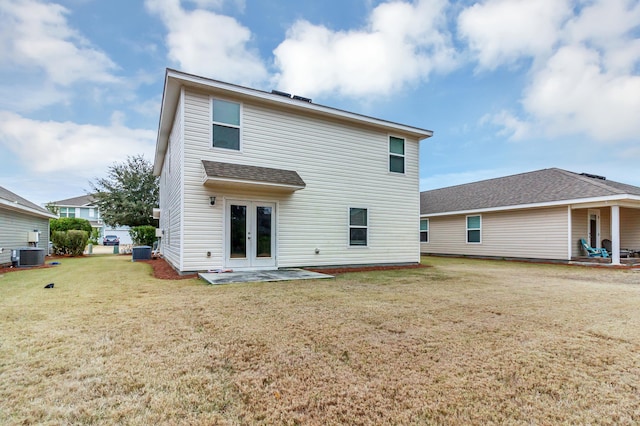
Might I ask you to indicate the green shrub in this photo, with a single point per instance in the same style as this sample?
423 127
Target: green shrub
143 235
69 223
59 240
77 241
70 242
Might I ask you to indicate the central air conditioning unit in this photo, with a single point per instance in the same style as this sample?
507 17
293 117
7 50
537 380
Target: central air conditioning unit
27 256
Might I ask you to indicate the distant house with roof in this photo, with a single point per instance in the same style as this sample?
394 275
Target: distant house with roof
22 224
84 207
265 180
537 215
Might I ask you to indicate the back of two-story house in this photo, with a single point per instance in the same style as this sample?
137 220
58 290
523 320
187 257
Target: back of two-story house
258 180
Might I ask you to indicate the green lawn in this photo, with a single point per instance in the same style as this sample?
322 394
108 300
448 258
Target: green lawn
462 342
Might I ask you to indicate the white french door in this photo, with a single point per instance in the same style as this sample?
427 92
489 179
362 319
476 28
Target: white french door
250 234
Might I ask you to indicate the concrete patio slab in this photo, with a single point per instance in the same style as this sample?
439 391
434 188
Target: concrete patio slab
261 276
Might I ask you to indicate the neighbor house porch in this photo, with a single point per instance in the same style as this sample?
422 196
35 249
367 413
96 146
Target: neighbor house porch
618 223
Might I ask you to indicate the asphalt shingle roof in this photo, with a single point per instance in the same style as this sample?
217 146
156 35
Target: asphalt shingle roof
83 200
541 186
252 173
11 197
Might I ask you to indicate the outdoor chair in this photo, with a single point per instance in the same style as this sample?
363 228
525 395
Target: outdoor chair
593 252
606 244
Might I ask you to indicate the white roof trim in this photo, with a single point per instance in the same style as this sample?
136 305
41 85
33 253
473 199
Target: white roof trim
574 204
24 209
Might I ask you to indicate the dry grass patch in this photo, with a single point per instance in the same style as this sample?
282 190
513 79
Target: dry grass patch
462 342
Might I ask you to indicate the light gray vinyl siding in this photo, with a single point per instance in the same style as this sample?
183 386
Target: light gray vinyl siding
14 227
532 233
171 180
579 228
343 166
605 224
630 228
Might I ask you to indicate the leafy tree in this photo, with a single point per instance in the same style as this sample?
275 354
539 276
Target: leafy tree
52 208
128 194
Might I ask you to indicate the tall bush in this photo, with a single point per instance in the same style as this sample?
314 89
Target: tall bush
59 241
77 241
70 242
143 235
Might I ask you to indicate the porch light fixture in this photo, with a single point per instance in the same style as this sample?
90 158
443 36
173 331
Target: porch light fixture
212 201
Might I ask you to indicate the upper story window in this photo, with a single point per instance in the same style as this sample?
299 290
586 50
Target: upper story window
474 229
226 124
396 154
358 227
67 212
424 230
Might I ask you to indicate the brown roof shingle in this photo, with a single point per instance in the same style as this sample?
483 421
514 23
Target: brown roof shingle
82 200
247 173
540 186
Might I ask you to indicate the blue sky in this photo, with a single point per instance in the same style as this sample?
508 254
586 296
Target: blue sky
507 86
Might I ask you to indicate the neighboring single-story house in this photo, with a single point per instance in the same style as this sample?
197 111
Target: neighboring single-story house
257 180
537 215
22 224
84 207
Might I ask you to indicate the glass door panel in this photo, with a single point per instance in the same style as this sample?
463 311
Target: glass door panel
238 232
263 231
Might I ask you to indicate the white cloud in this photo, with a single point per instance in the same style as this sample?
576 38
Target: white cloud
402 44
584 79
49 147
499 32
574 93
209 44
217 4
37 35
512 127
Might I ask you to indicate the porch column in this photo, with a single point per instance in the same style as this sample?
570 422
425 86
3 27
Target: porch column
615 235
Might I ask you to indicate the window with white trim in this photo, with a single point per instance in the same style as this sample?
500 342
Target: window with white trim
396 154
474 229
358 227
424 230
225 124
67 212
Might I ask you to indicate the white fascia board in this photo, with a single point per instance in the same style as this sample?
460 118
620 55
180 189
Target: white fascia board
574 204
27 210
168 107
